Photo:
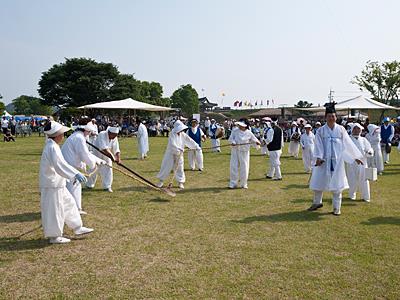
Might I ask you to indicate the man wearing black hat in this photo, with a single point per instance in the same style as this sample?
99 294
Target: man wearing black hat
333 147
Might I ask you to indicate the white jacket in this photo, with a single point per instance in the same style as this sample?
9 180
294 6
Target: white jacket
54 170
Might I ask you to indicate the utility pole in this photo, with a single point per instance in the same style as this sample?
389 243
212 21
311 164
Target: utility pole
330 96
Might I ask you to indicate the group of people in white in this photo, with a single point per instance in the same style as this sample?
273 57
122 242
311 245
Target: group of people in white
336 160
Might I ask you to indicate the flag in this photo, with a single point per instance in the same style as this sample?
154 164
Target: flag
267 102
261 103
240 103
236 103
273 101
223 94
255 104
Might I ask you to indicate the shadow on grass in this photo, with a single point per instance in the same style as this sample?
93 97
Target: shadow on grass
29 154
293 216
14 244
382 221
25 217
295 186
133 189
159 200
390 172
205 189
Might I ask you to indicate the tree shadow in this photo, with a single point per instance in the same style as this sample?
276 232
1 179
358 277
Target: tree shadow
382 221
15 244
29 154
295 186
141 189
295 173
293 216
25 217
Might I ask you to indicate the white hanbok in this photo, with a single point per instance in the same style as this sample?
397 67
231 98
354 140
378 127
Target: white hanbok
106 173
356 173
307 142
173 157
57 205
195 157
294 146
76 153
334 147
240 157
143 141
374 138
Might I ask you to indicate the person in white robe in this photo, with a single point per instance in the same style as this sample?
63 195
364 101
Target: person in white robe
294 144
333 147
275 143
93 134
264 148
107 141
374 138
356 172
307 142
195 157
76 153
240 155
57 204
143 140
215 142
173 159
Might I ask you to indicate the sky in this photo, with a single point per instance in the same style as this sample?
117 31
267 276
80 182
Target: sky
286 50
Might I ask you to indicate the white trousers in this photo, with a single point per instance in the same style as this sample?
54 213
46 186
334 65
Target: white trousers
239 168
357 182
376 161
386 155
275 164
195 158
58 207
294 148
76 192
308 158
215 143
106 174
336 199
172 162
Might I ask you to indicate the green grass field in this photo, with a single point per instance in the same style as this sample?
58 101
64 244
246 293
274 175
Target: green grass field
207 242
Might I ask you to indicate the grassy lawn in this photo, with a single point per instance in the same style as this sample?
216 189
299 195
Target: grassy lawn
208 242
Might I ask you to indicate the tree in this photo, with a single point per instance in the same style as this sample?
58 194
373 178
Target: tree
381 80
77 81
28 105
2 107
187 99
125 86
303 104
151 92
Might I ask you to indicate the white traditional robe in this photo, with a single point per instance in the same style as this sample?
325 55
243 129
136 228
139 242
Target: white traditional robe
143 141
57 205
195 157
173 156
356 173
264 148
307 142
76 153
103 142
240 157
374 138
334 147
294 146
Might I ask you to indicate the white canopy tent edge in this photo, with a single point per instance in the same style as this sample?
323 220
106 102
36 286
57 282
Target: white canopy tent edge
128 103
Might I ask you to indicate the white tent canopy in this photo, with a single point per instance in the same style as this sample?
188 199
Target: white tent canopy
6 114
128 103
359 102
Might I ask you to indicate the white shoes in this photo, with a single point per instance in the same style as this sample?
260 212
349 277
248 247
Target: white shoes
83 230
366 200
109 190
336 212
245 187
82 212
160 184
181 186
59 240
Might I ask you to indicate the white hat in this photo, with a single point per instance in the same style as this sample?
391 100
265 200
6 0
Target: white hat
294 123
353 125
318 123
90 127
307 126
241 124
178 127
56 129
113 129
372 128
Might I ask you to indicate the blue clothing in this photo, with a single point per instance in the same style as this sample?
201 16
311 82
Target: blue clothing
385 134
213 129
195 136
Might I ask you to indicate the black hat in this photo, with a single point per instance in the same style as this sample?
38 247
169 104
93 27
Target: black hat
330 108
